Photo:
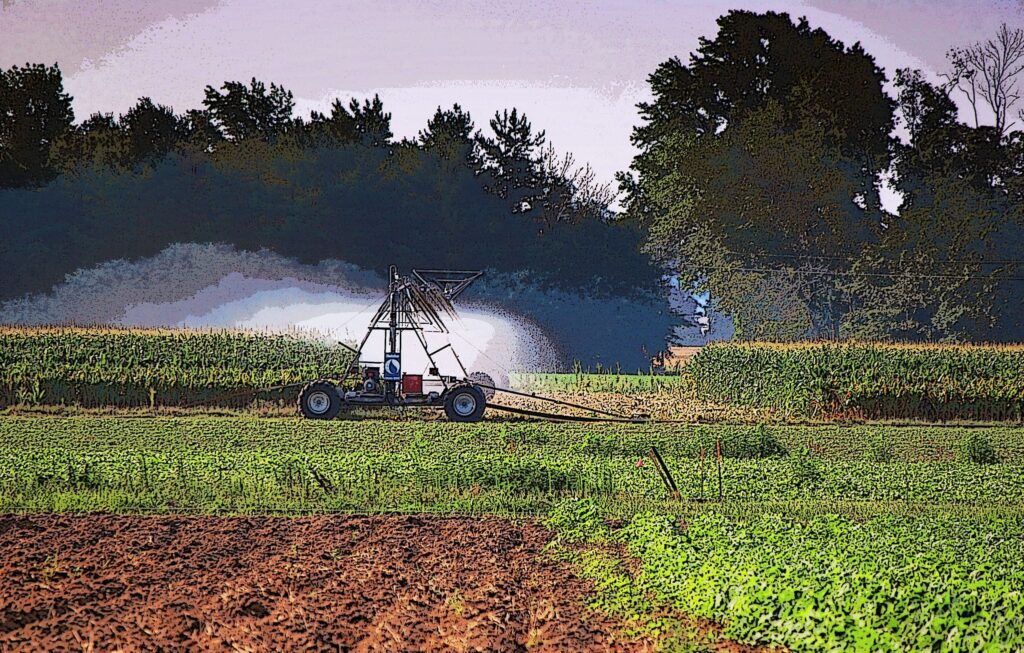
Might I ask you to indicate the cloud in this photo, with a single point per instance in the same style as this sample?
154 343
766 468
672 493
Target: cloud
76 34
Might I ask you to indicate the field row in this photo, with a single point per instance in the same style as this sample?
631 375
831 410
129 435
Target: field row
873 443
245 464
866 380
605 382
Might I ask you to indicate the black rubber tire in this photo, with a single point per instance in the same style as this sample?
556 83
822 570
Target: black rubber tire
312 396
456 402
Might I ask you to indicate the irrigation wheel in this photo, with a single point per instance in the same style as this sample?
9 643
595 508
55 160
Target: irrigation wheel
464 403
320 400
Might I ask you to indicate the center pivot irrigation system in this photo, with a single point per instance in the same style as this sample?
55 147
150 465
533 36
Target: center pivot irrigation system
419 303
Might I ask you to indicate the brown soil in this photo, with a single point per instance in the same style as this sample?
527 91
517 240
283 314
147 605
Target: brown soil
387 583
678 356
658 406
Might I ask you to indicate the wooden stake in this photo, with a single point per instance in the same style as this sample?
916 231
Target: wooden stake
666 476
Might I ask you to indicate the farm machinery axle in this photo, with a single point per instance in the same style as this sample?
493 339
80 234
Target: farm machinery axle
419 303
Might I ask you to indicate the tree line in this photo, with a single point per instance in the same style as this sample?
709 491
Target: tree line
244 169
762 161
762 164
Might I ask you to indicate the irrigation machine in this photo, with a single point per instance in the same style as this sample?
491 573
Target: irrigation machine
419 304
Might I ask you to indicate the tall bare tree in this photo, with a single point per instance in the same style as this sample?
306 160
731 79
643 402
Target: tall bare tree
987 72
572 192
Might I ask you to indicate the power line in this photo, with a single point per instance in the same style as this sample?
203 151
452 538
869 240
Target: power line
851 273
374 302
849 259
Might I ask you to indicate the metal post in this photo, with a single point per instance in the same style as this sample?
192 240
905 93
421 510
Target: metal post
357 354
430 356
394 299
393 308
465 374
666 475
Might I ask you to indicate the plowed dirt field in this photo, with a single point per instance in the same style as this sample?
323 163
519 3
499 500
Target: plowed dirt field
387 583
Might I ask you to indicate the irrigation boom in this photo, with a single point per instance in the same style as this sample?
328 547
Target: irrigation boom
420 303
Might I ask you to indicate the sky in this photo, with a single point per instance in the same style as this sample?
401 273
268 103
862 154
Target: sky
576 68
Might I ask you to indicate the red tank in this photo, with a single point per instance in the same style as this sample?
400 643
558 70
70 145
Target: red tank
412 384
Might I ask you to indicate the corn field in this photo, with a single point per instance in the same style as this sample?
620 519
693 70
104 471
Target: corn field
866 380
112 367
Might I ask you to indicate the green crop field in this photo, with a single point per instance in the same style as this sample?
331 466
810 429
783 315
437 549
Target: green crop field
931 581
748 382
889 538
813 537
242 464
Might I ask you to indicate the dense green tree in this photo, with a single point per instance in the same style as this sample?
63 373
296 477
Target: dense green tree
152 130
200 135
99 142
34 112
756 214
365 123
759 57
944 264
242 112
336 128
449 133
510 160
372 123
759 170
141 136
